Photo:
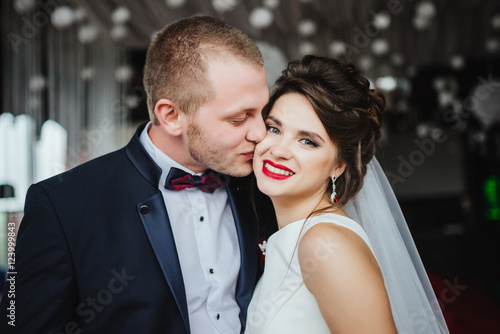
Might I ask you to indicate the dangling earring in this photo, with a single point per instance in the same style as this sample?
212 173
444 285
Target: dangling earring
333 196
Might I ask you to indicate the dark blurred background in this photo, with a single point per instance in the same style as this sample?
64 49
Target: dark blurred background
72 90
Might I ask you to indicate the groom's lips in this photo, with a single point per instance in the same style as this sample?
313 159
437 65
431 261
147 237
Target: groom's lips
248 154
275 176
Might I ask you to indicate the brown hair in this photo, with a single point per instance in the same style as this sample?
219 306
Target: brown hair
349 110
177 60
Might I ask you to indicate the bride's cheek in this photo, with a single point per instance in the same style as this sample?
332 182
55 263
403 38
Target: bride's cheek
261 148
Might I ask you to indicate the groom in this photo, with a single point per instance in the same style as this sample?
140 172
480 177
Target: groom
127 243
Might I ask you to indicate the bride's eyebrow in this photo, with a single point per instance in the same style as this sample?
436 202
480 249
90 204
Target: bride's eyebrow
302 133
309 134
275 120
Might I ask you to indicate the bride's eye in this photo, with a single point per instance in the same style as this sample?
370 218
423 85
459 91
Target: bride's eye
308 142
272 129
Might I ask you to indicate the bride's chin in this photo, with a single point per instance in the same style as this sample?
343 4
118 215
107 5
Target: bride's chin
272 192
265 187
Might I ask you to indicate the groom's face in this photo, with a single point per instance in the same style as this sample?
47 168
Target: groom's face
223 132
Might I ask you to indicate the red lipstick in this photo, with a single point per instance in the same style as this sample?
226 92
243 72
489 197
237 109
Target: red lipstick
275 176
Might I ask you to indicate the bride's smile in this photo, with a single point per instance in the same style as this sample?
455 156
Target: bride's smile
275 171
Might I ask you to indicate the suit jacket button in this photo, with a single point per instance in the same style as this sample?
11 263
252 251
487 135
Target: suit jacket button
144 209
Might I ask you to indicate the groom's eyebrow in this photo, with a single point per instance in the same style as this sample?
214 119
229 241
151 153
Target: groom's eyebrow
238 112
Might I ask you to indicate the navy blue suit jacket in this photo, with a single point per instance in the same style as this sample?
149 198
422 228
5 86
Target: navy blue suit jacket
96 254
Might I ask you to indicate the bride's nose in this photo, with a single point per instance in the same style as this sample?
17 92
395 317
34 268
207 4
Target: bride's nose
281 150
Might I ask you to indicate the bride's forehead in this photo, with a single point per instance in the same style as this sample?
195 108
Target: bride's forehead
296 115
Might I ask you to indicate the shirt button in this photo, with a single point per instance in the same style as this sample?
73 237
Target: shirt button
217 316
202 218
211 270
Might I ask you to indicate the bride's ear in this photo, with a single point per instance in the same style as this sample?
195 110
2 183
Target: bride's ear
339 168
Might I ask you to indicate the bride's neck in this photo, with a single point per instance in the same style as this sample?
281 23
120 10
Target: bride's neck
288 211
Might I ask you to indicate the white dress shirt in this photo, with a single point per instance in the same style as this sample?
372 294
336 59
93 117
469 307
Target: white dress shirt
207 245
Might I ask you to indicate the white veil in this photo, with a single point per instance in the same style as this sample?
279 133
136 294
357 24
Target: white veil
414 305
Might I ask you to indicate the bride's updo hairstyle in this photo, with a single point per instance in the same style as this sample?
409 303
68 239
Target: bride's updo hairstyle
349 110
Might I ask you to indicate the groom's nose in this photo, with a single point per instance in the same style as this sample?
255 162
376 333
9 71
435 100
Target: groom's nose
257 129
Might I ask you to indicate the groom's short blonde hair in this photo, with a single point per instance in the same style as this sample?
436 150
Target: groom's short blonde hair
178 57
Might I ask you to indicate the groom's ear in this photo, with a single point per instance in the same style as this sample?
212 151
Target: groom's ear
169 116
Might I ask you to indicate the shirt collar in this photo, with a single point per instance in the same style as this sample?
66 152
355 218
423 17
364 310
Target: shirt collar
160 158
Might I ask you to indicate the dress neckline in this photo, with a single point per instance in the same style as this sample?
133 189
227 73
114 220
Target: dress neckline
315 217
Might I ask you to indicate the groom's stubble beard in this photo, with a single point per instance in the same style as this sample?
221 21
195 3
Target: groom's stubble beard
209 156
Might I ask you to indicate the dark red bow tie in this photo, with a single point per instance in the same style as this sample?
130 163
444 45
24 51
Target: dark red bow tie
178 179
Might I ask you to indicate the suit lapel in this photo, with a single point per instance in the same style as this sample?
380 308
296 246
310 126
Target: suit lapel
246 228
157 224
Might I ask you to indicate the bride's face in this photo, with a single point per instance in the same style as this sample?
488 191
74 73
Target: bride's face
297 157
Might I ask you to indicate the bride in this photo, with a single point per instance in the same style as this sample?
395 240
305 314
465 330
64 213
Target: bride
343 260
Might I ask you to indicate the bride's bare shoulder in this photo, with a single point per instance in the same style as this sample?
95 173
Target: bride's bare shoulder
332 243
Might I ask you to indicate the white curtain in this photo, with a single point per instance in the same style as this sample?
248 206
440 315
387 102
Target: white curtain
62 104
50 74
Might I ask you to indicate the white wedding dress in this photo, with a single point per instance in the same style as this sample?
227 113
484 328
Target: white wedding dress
281 302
